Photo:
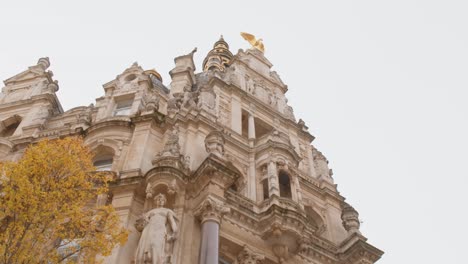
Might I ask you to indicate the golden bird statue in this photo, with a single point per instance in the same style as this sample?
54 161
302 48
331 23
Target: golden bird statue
256 43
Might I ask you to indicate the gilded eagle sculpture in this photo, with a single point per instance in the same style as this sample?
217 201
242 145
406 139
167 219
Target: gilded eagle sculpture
256 43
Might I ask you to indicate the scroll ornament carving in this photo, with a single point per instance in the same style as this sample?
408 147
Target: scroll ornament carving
214 143
350 219
248 256
211 210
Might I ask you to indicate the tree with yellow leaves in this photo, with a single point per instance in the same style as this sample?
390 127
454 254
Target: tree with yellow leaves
48 212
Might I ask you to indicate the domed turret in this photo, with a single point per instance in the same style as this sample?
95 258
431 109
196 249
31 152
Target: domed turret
219 57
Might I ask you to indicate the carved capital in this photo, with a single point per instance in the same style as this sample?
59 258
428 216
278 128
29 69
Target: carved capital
211 210
248 256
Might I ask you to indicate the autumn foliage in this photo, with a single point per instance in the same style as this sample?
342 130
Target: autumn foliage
48 210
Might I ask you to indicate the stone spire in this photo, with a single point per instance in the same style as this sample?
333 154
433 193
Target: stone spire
219 57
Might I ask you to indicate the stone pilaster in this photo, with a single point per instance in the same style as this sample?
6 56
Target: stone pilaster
273 183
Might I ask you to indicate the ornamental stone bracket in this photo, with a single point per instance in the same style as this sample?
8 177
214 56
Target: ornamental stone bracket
248 256
214 144
211 210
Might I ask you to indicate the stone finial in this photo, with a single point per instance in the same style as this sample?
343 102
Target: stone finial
350 219
211 210
53 86
44 63
248 256
214 143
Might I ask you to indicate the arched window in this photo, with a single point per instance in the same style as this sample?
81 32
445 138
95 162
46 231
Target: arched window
10 125
104 159
284 184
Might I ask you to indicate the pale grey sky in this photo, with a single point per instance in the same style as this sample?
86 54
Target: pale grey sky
381 84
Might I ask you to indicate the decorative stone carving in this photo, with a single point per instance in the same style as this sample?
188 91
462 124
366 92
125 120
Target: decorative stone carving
214 143
211 210
152 103
281 252
350 219
289 113
320 164
172 147
248 256
174 104
207 99
302 125
156 238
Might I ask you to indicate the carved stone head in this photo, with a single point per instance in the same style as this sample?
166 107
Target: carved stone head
160 200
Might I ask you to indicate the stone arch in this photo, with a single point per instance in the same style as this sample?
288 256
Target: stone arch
241 183
166 180
9 125
314 219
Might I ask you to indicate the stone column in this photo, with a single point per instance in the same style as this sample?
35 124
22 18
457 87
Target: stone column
273 183
210 213
251 126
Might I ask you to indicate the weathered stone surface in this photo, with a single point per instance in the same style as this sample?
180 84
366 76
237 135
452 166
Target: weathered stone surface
242 180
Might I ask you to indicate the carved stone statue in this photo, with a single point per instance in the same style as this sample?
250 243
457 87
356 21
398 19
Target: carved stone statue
172 147
155 237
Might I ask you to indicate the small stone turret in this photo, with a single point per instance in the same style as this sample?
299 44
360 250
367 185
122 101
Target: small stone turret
219 57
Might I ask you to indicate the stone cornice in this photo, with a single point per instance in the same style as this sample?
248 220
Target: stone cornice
355 249
213 170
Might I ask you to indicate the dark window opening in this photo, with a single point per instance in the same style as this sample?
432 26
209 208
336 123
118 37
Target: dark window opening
266 193
284 184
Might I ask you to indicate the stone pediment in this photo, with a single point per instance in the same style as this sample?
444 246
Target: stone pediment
32 72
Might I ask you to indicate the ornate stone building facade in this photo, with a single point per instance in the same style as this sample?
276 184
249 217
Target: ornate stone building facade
213 168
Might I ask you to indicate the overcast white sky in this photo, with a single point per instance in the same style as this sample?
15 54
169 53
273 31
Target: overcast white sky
381 84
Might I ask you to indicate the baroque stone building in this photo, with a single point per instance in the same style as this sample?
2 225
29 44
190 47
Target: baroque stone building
220 149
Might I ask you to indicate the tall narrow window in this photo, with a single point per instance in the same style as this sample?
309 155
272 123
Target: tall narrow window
266 193
284 184
123 108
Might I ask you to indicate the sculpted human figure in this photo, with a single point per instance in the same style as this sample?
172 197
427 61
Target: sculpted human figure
155 236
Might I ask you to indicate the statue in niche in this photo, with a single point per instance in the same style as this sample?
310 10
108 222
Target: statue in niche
156 238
